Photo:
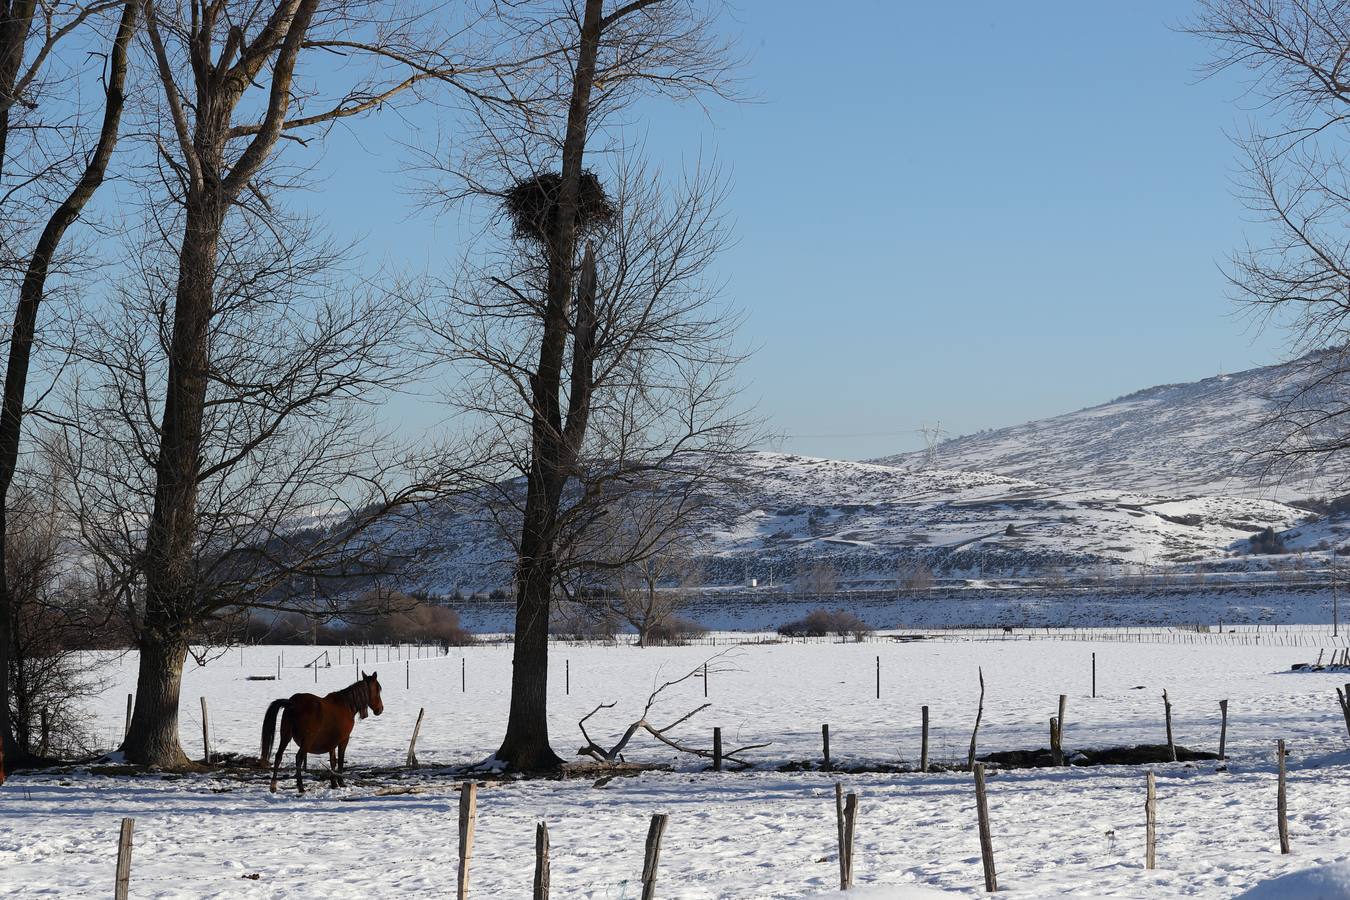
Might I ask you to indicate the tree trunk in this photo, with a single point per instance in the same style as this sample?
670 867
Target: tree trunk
526 746
153 737
552 451
171 589
31 294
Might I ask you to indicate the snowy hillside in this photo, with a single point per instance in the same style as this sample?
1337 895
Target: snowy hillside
779 514
1175 438
1156 478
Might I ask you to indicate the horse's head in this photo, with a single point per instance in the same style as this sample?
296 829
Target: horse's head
373 690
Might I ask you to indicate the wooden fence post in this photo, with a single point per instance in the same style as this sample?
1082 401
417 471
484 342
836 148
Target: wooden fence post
1167 711
1059 726
412 744
974 733
468 818
825 745
407 674
1094 675
850 823
1056 755
1344 698
541 866
126 728
986 839
463 674
1223 728
1150 821
839 828
878 677
923 747
123 884
652 857
717 749
206 736
1281 807
567 676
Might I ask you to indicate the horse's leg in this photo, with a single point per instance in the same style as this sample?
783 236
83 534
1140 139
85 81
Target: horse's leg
342 759
300 771
281 748
333 779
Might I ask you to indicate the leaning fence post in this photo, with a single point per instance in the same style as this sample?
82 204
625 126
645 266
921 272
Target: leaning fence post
1281 807
1223 728
123 884
986 839
412 744
468 815
1150 821
541 866
653 855
923 746
206 736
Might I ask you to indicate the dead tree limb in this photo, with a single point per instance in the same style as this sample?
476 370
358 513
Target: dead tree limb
615 753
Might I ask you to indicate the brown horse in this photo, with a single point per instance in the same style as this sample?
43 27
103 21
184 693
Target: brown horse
319 724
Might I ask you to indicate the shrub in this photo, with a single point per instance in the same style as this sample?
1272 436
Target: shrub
675 631
1267 542
822 622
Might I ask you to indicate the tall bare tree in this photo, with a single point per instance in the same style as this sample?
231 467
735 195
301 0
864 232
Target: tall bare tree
1297 180
602 358
54 186
232 81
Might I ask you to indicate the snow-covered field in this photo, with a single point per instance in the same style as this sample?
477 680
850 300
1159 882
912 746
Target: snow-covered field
761 833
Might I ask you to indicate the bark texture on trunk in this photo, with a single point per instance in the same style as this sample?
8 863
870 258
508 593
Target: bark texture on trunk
553 443
153 736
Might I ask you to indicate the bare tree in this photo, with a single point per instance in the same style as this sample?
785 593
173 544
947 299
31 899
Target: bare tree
233 88
650 415
569 302
57 174
1298 182
54 611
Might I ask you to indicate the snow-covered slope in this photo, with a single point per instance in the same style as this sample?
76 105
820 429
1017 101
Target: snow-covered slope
778 515
1177 438
1159 477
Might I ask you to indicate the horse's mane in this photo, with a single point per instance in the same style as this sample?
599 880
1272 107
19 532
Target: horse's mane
356 696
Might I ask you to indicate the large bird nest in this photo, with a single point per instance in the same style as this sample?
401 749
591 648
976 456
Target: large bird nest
533 202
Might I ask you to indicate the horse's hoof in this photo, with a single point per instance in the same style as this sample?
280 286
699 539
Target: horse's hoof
273 788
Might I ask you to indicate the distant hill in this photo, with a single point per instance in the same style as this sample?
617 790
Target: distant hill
1159 478
1171 439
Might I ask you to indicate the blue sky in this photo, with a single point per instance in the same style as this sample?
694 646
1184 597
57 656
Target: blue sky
970 213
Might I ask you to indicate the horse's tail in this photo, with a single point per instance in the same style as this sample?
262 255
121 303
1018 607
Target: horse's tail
270 727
